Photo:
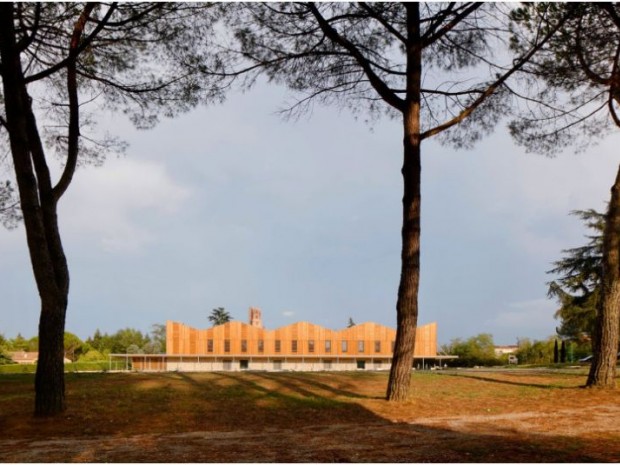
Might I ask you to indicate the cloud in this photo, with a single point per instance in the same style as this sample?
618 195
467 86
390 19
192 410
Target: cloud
528 316
119 204
288 313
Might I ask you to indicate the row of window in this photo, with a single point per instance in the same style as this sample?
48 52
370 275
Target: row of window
344 347
277 365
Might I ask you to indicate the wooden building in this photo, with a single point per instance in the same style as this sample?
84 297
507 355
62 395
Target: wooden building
300 346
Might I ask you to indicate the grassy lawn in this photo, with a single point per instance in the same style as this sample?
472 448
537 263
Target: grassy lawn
464 416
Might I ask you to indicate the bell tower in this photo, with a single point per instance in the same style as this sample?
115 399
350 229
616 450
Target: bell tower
255 317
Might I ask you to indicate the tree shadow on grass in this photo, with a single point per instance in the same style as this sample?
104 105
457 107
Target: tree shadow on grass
379 441
509 382
258 417
294 383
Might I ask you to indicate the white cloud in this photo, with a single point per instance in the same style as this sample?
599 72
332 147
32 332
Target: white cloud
288 313
108 205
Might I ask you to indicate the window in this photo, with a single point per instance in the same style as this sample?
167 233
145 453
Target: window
377 346
361 364
227 365
294 345
310 346
277 365
226 345
277 347
244 345
244 364
328 346
261 345
360 347
327 364
344 346
209 345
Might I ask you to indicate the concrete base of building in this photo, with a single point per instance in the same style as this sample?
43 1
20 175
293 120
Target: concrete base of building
207 363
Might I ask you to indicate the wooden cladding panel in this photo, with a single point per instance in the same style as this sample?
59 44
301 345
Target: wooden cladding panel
183 340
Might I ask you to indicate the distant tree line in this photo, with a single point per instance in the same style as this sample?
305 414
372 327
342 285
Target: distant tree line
94 348
480 351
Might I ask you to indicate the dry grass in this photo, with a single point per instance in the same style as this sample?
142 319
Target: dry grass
318 417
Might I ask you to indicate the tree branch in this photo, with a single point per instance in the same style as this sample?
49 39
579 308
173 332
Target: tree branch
85 43
495 85
391 29
74 106
429 39
376 82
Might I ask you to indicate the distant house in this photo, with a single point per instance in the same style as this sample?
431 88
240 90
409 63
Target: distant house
28 358
503 350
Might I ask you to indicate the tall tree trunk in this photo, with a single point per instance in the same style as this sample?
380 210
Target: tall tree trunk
38 206
407 304
603 369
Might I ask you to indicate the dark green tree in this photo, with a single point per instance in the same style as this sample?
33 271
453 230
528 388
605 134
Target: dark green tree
219 316
56 61
430 65
576 83
556 352
563 352
577 288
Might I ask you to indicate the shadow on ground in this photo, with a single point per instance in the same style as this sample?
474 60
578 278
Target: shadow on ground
255 417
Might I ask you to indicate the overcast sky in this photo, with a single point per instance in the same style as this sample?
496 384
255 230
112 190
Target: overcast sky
231 206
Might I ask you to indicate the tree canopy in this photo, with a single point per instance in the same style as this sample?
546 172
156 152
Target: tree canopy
577 288
219 316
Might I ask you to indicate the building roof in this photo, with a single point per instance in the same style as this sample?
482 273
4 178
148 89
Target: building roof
24 357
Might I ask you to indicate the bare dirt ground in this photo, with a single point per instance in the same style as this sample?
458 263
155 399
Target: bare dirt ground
322 417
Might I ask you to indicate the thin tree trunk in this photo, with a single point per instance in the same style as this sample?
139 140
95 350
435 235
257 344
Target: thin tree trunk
39 212
407 304
603 369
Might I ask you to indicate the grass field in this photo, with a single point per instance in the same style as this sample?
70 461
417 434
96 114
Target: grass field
454 416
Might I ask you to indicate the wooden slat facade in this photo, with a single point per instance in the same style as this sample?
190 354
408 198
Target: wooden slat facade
298 339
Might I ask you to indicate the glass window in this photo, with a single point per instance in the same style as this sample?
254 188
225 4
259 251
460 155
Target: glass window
360 346
244 345
244 364
328 346
294 345
227 365
344 346
261 345
311 346
377 346
226 345
361 364
277 365
209 345
327 364
277 346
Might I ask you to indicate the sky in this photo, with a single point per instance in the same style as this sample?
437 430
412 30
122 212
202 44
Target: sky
232 206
